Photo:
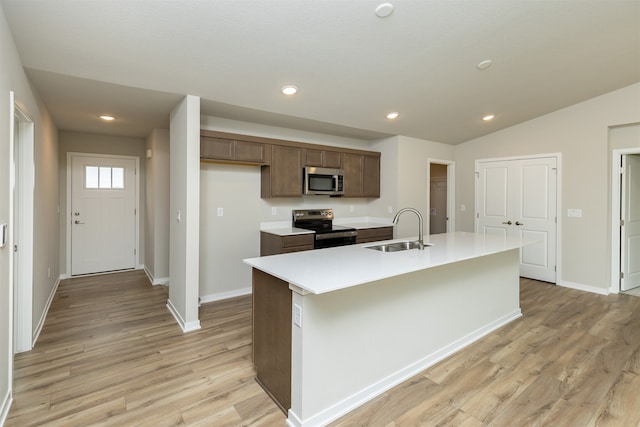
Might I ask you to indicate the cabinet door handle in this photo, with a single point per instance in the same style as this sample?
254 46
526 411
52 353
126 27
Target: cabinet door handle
519 223
77 222
508 223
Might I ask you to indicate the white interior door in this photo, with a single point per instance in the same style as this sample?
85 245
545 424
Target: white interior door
630 229
495 198
103 214
535 216
518 198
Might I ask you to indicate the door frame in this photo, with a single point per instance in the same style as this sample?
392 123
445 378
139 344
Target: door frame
69 218
21 268
616 214
451 187
558 157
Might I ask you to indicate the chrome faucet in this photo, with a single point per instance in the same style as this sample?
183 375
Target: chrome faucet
415 211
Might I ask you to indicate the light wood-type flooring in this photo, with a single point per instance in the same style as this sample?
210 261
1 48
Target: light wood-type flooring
111 354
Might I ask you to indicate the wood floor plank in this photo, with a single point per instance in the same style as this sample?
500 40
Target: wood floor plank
110 354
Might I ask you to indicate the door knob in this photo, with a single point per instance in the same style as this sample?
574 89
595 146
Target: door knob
508 223
77 222
519 223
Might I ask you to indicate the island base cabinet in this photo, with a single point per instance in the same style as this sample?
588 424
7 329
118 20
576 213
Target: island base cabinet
272 336
354 344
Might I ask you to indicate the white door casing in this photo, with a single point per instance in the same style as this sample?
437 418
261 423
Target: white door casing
23 177
102 215
630 224
518 197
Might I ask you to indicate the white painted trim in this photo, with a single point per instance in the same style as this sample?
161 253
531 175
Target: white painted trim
47 306
5 406
616 214
559 210
23 272
451 192
225 295
581 287
137 201
352 402
164 281
186 327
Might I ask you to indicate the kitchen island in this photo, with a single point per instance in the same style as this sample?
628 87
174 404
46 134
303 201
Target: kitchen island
335 327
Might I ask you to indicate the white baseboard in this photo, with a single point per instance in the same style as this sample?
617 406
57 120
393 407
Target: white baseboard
352 402
585 288
164 281
225 295
43 317
5 406
185 326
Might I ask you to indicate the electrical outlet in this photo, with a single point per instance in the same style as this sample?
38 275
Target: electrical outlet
390 209
297 315
574 213
220 211
351 208
274 211
178 216
463 207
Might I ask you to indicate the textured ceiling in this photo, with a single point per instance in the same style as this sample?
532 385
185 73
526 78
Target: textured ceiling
136 59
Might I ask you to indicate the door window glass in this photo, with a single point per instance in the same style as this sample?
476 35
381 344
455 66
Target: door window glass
104 177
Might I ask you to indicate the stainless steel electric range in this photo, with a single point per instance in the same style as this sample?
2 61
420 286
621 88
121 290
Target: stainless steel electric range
320 221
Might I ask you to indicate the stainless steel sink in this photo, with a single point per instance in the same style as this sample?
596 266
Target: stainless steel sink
397 246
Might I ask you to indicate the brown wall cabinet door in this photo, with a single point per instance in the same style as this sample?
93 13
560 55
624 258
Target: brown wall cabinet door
323 158
283 178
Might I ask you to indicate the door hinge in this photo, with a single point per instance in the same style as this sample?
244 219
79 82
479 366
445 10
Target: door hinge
135 211
621 170
622 274
134 251
555 268
621 222
477 174
477 215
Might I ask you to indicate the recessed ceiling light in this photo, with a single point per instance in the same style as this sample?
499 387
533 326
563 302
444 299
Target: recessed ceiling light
483 65
384 10
393 115
289 90
488 117
107 118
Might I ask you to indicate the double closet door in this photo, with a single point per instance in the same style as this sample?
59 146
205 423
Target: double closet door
517 197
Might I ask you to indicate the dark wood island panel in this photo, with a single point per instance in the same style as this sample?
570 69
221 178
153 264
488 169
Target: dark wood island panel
272 302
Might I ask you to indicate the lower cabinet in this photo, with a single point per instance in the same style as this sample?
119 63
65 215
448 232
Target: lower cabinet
367 235
273 244
272 301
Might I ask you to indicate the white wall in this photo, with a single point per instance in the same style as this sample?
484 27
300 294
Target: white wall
184 219
157 208
12 78
580 133
79 142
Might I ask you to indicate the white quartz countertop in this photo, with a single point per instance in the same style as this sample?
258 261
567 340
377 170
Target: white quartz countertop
325 270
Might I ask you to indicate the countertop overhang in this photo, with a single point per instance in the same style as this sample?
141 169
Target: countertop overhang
326 270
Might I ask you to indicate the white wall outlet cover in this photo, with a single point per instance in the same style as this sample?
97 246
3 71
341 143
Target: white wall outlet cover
178 216
463 208
220 211
574 213
297 315
274 211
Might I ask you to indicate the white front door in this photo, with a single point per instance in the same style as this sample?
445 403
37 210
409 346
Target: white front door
103 214
630 229
518 198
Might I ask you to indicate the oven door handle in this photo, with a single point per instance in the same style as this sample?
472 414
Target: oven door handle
336 235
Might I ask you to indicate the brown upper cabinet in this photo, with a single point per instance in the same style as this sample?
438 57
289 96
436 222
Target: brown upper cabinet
233 150
323 158
283 178
361 175
282 162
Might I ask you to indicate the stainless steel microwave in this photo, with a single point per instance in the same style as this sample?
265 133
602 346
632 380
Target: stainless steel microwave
323 181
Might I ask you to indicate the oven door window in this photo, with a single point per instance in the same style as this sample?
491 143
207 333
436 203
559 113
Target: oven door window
333 242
